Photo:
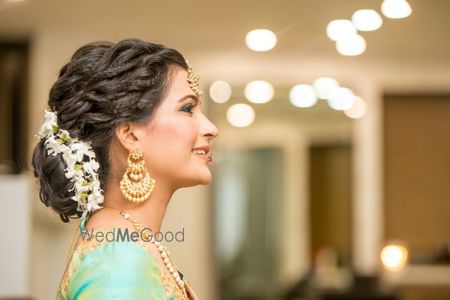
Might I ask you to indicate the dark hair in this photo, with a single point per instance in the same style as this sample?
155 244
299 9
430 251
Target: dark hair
103 86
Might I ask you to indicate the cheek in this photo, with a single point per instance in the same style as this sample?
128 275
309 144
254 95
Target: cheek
171 138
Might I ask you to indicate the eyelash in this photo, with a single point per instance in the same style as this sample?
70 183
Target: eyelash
190 106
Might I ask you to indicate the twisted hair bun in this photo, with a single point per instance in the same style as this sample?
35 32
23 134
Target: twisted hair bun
104 85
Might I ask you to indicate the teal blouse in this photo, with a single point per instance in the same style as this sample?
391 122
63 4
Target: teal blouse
116 270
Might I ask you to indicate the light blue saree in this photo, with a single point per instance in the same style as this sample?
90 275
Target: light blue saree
116 270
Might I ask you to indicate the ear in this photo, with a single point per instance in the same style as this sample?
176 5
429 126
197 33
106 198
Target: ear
128 135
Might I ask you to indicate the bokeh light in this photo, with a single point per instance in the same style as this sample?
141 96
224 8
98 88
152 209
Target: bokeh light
240 115
341 98
352 45
261 40
396 9
394 257
220 91
358 109
324 85
259 91
303 95
340 29
367 20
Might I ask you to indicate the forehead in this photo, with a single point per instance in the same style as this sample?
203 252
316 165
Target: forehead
179 84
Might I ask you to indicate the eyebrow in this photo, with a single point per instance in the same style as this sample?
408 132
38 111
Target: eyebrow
194 97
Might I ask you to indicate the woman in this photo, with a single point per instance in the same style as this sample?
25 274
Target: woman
125 130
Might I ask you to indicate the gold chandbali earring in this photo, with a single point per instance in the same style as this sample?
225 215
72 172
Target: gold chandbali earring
136 184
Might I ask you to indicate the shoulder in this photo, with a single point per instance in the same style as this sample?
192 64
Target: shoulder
113 270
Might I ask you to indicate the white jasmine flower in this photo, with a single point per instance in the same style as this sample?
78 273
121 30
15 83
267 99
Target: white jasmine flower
49 124
82 186
81 149
86 184
90 166
71 172
92 202
90 154
54 147
70 158
96 187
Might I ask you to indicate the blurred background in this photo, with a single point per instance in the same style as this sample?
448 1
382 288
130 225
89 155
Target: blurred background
332 166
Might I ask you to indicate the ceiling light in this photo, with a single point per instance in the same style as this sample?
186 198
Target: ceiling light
261 40
366 20
303 95
339 29
358 109
240 115
324 85
351 45
396 9
220 91
341 98
258 91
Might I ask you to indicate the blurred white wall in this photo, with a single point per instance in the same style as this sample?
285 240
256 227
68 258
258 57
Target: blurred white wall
16 236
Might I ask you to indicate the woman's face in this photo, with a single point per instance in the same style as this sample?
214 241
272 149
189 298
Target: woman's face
178 127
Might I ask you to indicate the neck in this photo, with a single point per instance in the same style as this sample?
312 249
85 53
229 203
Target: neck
149 213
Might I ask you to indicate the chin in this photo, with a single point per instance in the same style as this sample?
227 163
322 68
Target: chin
206 181
201 179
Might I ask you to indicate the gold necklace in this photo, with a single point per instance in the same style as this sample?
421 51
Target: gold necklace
161 248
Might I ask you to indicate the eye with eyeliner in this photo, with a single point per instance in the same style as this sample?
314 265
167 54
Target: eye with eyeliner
188 107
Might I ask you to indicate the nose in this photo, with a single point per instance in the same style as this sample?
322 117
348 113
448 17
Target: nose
208 129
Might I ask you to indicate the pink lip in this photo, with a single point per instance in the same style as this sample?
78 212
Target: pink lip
204 157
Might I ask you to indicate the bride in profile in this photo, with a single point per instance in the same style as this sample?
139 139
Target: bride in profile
124 130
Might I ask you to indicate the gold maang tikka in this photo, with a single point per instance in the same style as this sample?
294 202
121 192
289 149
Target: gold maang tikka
193 80
136 184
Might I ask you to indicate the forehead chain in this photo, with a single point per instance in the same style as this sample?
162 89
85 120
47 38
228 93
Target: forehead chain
193 80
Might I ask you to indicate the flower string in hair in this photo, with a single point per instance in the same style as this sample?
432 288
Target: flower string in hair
81 166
